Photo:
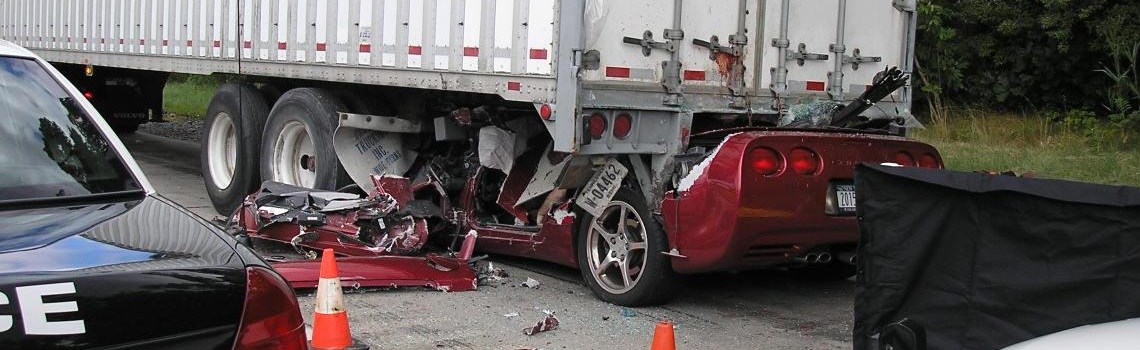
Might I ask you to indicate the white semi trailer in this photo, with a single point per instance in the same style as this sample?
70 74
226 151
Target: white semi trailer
329 92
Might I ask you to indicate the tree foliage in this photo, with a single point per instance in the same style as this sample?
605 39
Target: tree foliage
1018 54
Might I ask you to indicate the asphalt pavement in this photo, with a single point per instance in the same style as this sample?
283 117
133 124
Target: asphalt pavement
745 310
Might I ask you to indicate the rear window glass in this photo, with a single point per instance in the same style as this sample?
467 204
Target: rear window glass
48 145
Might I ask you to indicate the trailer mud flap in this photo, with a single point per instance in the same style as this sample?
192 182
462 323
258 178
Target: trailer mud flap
364 153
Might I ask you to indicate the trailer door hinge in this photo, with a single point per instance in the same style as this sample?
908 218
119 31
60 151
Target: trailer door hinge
801 55
647 44
674 34
855 59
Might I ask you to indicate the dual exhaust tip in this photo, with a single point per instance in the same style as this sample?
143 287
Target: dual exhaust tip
814 258
825 257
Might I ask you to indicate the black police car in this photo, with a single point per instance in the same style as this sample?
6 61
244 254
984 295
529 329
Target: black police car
91 257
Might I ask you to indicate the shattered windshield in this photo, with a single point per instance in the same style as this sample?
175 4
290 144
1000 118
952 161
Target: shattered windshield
48 145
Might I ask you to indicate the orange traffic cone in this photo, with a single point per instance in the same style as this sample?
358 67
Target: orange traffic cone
330 321
663 337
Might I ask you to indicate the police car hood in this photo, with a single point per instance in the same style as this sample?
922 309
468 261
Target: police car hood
140 274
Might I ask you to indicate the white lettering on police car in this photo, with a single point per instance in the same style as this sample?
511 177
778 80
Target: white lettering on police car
5 320
34 310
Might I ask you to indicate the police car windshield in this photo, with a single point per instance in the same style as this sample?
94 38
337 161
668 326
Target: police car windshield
49 148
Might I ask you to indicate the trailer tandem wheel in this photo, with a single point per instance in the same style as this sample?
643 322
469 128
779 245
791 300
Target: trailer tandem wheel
230 145
296 146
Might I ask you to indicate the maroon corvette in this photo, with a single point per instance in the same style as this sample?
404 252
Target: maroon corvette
754 198
765 198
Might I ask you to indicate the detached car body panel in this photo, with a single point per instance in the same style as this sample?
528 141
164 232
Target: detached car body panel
731 217
91 257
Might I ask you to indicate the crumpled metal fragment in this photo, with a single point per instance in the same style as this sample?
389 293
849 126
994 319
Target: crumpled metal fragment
547 324
491 275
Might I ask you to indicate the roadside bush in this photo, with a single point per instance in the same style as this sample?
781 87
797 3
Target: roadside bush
1013 55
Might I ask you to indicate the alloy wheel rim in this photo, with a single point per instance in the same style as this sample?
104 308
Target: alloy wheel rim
617 247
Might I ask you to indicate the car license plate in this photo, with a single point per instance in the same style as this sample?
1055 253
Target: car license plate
845 198
601 188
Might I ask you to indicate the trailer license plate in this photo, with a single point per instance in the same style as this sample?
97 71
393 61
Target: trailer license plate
601 188
845 198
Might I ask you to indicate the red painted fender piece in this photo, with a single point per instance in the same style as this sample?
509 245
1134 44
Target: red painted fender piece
436 272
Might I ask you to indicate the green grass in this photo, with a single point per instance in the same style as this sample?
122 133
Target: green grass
187 97
971 142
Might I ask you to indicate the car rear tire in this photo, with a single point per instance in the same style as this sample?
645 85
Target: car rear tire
230 145
297 145
622 262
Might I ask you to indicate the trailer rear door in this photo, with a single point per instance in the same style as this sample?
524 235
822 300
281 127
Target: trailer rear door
875 28
702 20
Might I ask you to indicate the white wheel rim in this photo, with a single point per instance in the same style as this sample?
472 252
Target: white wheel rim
221 148
294 160
617 248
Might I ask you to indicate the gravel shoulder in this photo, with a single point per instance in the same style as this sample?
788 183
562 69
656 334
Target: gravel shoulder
179 128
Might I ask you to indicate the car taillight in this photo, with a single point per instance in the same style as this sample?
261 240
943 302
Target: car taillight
904 159
765 161
928 161
623 124
597 126
272 318
88 95
804 161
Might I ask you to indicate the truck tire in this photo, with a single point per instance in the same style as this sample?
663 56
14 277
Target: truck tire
608 249
230 145
297 144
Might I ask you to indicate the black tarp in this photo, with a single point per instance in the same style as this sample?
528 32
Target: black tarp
986 261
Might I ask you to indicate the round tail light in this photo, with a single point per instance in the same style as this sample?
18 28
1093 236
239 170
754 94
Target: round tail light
545 112
623 124
904 159
804 161
765 161
597 125
928 161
